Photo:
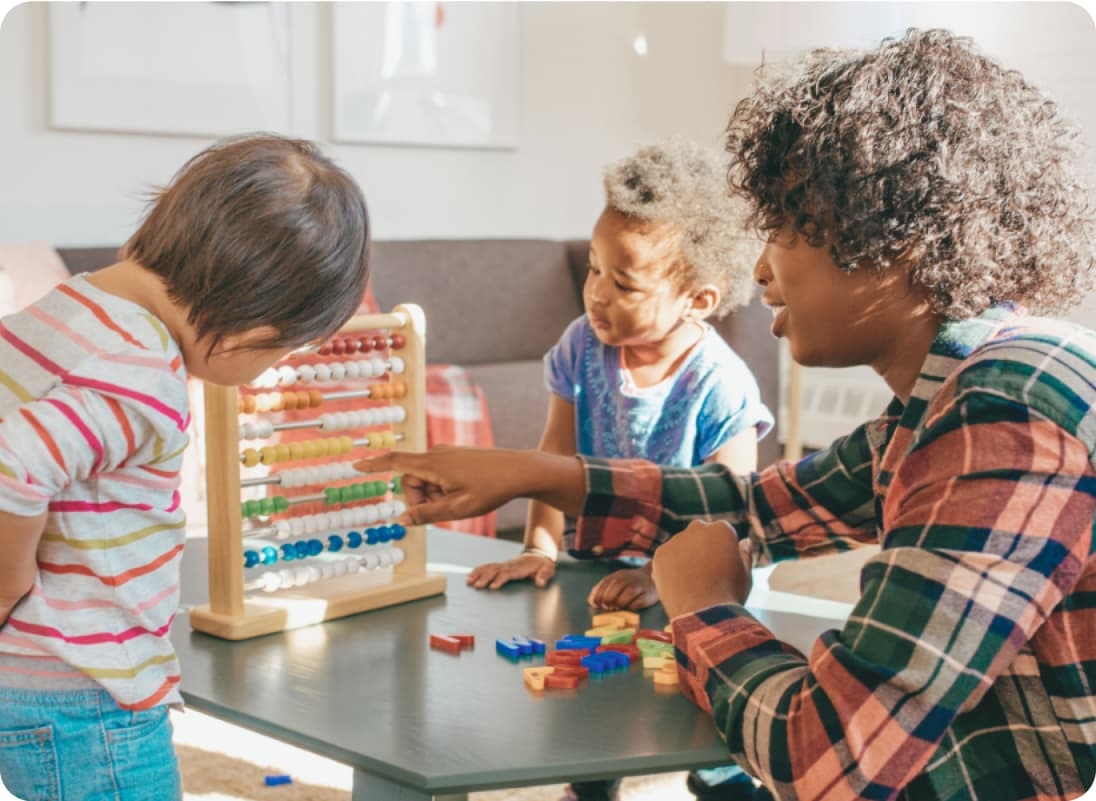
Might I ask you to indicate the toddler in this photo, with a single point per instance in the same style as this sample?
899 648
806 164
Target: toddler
642 374
258 246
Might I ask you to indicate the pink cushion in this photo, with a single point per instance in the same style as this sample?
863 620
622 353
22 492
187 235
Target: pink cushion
33 269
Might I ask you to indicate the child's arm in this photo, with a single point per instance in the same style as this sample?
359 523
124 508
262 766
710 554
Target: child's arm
544 524
19 566
739 453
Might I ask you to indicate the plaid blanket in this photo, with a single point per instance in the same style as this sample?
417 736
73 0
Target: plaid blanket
456 414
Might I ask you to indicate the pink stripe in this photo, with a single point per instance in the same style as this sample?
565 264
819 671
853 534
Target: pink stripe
87 639
29 352
114 389
53 674
78 606
89 437
99 508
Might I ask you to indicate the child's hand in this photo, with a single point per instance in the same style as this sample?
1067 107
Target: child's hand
540 569
624 589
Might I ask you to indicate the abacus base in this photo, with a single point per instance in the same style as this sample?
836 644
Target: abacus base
291 609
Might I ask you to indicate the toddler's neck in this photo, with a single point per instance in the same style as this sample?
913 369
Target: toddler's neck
650 365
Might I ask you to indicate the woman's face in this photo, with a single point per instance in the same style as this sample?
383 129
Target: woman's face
833 317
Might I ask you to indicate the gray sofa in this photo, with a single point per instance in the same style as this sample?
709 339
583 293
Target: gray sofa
495 306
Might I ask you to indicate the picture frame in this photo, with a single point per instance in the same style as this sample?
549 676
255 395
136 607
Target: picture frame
202 68
425 73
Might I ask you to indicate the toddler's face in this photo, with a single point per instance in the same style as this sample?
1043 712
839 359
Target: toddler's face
231 363
628 297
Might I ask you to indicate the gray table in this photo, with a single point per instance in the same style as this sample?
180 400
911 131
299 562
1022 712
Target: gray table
417 723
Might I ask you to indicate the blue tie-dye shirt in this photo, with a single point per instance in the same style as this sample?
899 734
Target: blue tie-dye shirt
679 422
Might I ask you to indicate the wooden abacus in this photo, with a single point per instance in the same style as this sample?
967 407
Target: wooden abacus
334 562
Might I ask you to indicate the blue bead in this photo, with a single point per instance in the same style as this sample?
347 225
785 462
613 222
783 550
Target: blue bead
289 553
398 531
385 533
315 547
251 558
334 543
371 537
354 539
270 555
301 549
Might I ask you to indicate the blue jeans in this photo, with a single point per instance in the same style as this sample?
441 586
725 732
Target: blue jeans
79 745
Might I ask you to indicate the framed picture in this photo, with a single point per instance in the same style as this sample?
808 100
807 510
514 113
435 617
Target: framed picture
426 73
171 68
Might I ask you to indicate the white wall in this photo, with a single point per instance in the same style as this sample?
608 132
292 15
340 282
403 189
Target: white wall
585 97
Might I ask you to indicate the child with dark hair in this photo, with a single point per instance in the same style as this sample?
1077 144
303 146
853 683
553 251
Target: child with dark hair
917 199
258 246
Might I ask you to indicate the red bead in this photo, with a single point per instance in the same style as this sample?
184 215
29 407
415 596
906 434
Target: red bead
380 342
364 345
397 341
325 349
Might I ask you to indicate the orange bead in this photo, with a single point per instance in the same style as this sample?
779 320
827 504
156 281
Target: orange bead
315 398
399 389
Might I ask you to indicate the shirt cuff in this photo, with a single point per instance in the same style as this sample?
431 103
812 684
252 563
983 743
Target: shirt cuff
709 638
622 508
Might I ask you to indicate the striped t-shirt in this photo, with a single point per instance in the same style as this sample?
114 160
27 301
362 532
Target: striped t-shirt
93 419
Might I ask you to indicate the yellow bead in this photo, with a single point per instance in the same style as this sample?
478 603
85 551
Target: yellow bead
250 457
269 454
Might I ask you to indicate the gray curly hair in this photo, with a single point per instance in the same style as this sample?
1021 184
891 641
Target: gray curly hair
681 188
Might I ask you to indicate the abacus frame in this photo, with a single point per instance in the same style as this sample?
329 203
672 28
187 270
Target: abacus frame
230 613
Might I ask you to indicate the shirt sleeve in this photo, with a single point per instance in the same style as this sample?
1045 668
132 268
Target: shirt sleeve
85 426
732 405
987 525
791 509
563 362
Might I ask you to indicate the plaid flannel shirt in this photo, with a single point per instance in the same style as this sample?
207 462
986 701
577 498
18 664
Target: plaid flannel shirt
968 668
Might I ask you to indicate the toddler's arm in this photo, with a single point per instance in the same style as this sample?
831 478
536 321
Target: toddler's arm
739 453
19 567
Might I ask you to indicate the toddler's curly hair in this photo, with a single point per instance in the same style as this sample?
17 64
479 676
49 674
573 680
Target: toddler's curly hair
927 153
679 190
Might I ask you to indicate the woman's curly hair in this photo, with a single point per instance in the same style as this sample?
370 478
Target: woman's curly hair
927 153
680 189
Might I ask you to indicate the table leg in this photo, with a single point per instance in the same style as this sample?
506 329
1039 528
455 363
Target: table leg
369 787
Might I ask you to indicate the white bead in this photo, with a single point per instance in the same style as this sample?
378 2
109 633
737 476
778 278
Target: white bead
264 429
346 517
327 421
323 372
338 371
398 556
385 557
371 515
365 368
378 365
283 528
269 582
399 414
384 510
296 526
287 375
371 561
268 379
286 577
340 568
352 370
397 365
309 524
398 508
307 373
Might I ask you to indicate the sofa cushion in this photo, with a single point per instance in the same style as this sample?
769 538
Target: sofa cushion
31 269
519 292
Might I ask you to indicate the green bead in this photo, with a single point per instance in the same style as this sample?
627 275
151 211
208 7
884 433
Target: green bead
331 495
281 503
379 487
344 494
357 492
397 484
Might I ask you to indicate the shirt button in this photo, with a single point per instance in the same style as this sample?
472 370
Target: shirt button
597 550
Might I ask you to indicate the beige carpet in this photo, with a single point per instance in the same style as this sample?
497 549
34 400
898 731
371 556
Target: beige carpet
221 762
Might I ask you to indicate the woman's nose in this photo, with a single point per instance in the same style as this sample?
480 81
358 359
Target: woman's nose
762 272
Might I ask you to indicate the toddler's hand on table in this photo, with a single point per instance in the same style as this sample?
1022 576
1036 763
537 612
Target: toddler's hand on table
493 575
624 589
